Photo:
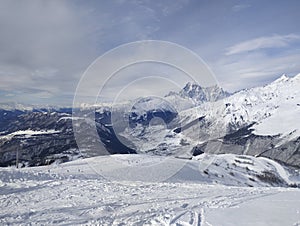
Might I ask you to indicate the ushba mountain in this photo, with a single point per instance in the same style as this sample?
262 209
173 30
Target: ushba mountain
262 121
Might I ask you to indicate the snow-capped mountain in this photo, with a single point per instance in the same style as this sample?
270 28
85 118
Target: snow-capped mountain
203 94
261 121
257 121
193 94
269 102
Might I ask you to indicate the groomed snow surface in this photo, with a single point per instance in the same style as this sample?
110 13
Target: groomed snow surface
148 190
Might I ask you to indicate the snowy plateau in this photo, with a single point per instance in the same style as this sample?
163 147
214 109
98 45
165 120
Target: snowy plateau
201 156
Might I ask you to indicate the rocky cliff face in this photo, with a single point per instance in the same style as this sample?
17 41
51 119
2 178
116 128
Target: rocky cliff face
203 94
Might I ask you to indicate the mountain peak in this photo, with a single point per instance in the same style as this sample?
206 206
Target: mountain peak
296 77
203 94
192 86
282 78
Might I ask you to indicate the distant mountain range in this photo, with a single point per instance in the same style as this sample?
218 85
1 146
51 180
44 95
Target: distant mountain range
262 121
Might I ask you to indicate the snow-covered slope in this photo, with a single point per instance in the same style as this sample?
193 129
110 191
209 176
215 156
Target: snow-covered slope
277 103
261 120
285 119
36 137
27 133
82 192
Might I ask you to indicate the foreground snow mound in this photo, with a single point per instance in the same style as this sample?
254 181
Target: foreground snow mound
225 169
243 170
80 193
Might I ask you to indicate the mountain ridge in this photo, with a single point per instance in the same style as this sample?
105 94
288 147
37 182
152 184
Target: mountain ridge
245 122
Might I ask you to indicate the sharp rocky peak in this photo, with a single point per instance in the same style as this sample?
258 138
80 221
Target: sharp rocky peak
203 94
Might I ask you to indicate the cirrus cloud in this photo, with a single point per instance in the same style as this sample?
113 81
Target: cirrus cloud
275 41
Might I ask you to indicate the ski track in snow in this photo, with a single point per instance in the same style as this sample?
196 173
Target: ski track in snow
76 196
92 201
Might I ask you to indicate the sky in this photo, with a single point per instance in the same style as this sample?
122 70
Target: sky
46 46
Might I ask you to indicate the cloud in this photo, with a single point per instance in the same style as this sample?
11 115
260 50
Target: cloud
49 44
275 41
9 95
147 64
239 7
255 69
42 44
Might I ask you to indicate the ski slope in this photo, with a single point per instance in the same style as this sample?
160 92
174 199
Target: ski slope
88 192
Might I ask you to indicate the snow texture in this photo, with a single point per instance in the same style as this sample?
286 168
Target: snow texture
76 193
